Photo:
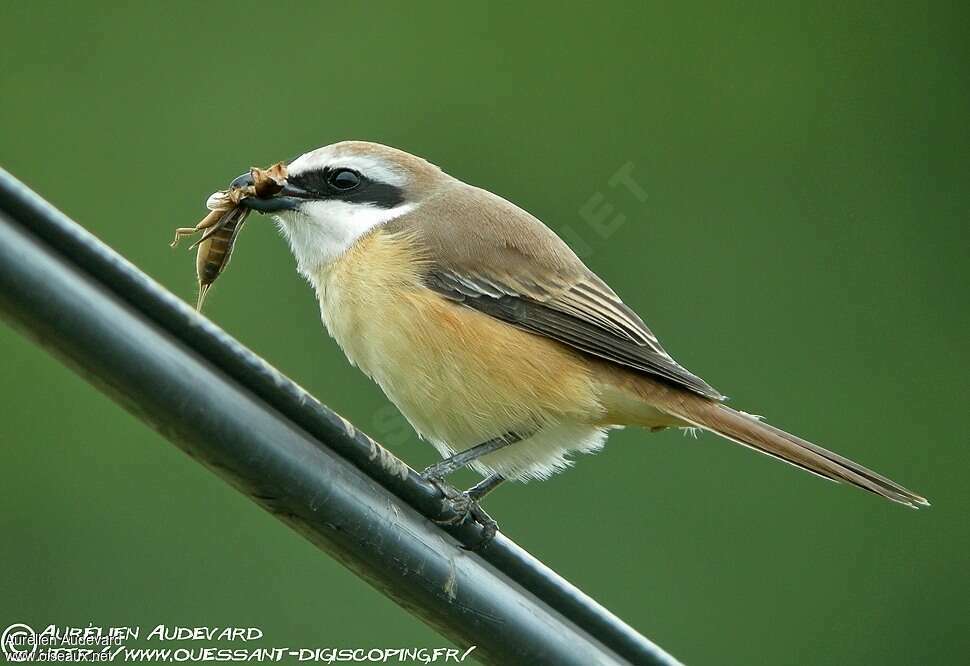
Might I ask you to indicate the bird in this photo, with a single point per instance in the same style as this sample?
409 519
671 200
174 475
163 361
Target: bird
487 332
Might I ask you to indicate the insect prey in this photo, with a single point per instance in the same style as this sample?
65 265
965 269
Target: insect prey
222 225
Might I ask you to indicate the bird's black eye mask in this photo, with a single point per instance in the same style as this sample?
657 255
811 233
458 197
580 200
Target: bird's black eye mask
343 184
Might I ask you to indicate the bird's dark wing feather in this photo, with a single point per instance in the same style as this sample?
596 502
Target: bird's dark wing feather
607 329
512 267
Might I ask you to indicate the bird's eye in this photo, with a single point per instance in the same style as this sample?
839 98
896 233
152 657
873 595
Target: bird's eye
344 179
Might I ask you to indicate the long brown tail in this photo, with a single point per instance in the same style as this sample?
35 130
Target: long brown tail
748 431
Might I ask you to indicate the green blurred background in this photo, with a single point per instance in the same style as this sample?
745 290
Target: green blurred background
804 247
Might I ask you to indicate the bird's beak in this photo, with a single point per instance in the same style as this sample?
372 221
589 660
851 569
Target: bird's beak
289 198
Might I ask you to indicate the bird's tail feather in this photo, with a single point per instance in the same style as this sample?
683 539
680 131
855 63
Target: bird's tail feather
749 431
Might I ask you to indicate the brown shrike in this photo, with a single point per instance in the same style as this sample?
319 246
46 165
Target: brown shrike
487 332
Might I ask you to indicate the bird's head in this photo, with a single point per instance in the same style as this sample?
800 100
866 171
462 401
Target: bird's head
336 194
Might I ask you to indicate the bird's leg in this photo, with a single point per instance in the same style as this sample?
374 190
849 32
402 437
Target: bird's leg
484 487
466 505
445 467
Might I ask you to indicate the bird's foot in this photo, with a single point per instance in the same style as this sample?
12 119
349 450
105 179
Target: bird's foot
438 471
464 507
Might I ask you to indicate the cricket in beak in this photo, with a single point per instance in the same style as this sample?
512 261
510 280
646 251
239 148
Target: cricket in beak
229 210
273 193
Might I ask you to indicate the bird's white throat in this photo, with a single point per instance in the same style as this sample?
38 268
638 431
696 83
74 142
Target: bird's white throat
320 232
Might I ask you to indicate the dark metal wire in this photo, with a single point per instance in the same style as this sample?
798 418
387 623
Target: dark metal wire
164 362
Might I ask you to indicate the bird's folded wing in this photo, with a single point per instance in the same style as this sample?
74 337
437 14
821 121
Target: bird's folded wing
507 264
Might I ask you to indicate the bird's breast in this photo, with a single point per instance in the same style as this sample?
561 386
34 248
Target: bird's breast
458 375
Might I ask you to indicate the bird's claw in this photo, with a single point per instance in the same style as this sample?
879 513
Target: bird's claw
433 473
463 507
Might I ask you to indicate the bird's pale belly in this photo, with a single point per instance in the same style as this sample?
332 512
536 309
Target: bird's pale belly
459 376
